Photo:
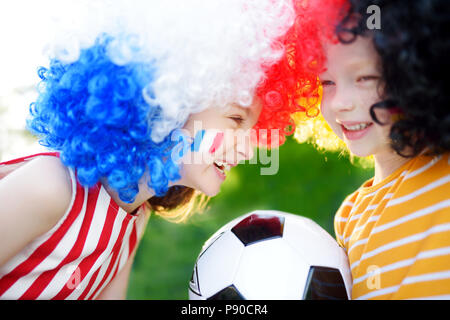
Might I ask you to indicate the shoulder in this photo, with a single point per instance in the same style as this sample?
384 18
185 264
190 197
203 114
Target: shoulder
341 217
33 199
348 203
51 175
44 185
427 181
53 181
428 170
426 164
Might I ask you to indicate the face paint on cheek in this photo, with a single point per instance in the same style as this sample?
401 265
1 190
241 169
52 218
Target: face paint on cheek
207 141
195 147
217 142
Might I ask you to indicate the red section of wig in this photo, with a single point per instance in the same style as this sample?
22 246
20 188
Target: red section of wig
292 85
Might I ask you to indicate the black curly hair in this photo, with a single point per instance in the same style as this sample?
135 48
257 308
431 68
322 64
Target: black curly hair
414 47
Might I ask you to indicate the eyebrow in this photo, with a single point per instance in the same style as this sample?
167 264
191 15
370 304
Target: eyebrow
360 64
354 66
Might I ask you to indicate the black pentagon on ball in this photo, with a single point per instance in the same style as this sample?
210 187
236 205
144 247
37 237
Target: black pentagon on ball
257 227
229 293
324 283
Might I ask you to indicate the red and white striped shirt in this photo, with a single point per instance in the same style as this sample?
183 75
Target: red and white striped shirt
80 255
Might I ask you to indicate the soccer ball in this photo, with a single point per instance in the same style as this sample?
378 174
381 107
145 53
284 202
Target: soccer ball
271 255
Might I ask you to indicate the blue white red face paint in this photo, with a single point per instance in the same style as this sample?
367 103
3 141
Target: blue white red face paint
207 141
208 146
202 146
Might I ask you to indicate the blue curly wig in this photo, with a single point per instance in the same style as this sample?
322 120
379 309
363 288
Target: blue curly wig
124 78
93 112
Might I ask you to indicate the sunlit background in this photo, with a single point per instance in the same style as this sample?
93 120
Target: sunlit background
308 182
24 32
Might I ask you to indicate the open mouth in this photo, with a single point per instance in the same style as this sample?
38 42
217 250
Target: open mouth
222 166
355 131
357 127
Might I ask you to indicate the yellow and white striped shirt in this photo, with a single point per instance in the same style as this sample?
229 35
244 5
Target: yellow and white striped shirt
397 233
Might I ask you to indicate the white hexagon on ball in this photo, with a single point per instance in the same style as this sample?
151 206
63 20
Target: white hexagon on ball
255 276
218 265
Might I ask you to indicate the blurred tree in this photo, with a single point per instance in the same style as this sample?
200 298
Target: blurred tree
15 139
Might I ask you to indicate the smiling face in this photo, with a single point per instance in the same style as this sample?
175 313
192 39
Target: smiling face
351 85
224 142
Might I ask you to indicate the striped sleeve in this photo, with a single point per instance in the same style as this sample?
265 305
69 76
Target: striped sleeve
341 218
405 254
80 255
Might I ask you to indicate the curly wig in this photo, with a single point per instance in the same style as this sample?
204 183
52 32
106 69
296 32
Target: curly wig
126 77
294 83
413 44
91 110
291 90
121 82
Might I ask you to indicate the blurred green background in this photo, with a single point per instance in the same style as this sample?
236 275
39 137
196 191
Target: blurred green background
308 182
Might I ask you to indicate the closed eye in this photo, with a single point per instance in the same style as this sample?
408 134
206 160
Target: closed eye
367 78
238 119
326 83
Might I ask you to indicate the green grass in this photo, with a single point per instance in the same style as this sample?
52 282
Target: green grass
308 183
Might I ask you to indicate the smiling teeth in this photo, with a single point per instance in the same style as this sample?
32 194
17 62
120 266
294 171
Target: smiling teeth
356 127
222 166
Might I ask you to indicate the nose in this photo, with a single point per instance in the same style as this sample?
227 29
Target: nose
342 100
243 146
246 152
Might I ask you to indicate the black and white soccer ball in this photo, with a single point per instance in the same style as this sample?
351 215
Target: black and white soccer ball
271 255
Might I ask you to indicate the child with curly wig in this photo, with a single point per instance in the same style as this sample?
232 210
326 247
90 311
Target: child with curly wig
130 94
385 95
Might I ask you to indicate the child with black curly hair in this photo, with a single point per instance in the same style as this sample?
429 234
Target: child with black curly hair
385 95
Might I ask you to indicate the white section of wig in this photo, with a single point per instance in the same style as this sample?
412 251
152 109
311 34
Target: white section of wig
208 53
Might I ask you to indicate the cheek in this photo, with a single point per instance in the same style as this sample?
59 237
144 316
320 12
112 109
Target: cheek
383 132
330 118
383 116
194 174
327 112
207 141
368 97
215 142
201 177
